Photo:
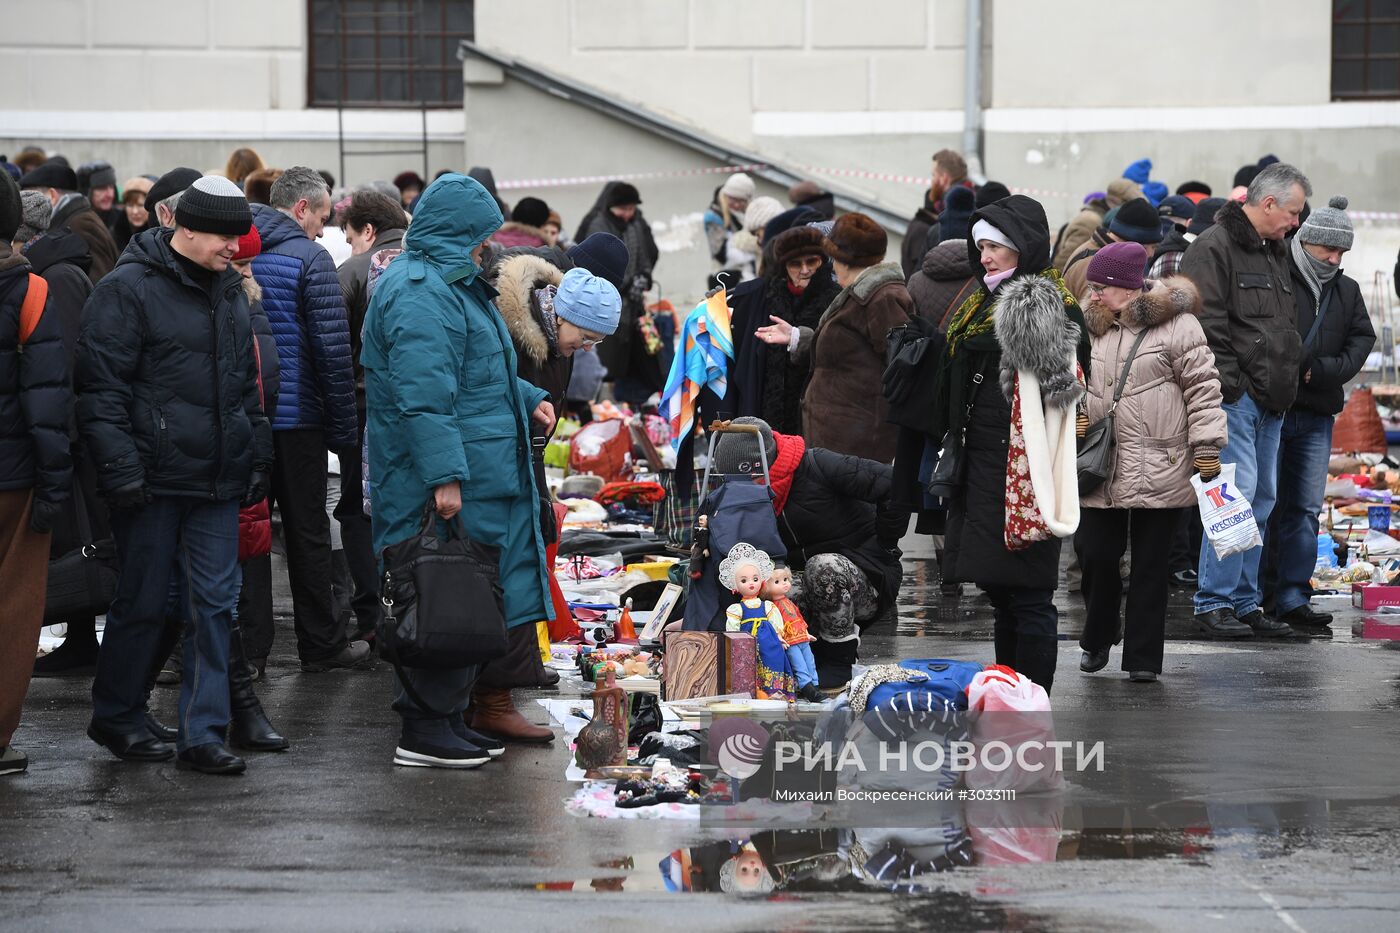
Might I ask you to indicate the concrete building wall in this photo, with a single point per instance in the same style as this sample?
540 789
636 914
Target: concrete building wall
153 54
1270 52
716 63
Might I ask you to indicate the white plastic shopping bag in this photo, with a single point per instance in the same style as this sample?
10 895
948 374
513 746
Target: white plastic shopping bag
1226 514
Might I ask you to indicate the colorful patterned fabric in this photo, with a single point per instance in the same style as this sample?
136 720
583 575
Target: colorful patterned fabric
707 348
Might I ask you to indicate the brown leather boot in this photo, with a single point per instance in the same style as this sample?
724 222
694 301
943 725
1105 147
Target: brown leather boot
493 714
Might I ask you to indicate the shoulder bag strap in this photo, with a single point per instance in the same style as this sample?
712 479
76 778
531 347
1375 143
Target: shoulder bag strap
1321 313
1127 365
81 516
32 308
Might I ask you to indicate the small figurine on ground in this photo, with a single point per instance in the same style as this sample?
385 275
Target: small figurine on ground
744 573
795 634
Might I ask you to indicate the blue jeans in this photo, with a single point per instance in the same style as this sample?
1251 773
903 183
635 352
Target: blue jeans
1305 446
803 664
1233 583
171 545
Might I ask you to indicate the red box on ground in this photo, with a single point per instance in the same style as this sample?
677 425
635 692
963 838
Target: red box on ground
1373 596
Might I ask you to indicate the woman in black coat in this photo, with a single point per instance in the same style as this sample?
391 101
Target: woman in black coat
833 518
797 286
971 400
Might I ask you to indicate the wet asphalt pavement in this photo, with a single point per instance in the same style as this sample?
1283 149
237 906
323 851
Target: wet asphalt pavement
1206 819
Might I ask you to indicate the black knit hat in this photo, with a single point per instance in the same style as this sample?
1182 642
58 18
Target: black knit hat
604 255
214 205
1245 176
172 182
52 174
1193 187
10 210
990 193
623 194
1204 218
530 211
1137 221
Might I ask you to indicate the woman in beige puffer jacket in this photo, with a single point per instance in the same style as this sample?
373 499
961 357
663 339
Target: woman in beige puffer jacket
1168 424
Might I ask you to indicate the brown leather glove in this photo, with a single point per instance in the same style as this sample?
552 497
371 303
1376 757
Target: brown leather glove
1081 425
1208 464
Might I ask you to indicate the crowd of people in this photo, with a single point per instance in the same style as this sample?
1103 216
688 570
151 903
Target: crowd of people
179 355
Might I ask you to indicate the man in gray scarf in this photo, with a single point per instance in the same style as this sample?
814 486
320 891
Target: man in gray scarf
1337 337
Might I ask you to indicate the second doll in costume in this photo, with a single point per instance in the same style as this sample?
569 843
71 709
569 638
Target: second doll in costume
795 634
745 572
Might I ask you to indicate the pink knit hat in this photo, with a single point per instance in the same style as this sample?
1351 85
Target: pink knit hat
1118 264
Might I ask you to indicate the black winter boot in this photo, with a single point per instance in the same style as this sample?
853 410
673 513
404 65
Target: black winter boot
1036 656
249 727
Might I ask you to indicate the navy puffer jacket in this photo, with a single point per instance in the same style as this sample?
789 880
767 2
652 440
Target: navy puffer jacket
306 308
34 394
167 381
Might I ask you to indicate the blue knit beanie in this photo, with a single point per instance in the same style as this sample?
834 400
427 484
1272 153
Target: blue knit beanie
588 302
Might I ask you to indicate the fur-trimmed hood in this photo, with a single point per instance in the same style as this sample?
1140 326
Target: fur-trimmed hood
252 289
1242 233
1035 334
519 277
1163 301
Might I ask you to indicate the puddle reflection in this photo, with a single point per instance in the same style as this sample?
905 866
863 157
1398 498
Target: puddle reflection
834 860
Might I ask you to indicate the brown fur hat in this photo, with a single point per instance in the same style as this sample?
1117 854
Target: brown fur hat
796 243
857 240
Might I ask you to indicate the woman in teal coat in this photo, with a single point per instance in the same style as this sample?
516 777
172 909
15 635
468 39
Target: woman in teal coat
448 422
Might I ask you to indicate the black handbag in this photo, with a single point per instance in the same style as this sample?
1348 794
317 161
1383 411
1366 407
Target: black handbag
950 472
442 602
83 582
1095 458
906 347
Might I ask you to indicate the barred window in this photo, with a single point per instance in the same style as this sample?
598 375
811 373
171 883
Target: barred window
386 53
1365 49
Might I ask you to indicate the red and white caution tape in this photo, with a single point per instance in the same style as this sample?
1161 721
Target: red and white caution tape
568 181
913 180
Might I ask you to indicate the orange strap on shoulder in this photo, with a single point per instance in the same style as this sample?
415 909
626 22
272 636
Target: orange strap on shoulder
33 308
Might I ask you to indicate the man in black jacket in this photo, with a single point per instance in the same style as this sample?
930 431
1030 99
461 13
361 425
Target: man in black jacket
73 212
1248 313
373 221
35 469
168 405
1337 337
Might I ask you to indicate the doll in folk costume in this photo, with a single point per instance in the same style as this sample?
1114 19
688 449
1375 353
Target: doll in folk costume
795 634
744 573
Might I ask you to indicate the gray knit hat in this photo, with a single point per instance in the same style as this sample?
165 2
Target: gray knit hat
36 210
738 453
1328 226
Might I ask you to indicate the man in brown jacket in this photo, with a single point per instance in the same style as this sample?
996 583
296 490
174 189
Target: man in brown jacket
73 213
1077 232
1248 313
